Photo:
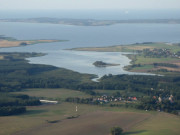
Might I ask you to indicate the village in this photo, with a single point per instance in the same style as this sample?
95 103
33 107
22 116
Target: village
107 99
160 53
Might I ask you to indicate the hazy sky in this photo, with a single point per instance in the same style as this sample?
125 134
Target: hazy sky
89 4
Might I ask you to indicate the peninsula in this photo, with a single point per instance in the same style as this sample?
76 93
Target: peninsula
6 42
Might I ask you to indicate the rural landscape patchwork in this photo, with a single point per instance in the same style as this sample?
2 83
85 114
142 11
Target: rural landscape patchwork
50 65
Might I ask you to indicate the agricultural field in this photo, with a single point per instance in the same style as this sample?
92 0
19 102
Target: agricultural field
55 94
96 120
160 124
7 43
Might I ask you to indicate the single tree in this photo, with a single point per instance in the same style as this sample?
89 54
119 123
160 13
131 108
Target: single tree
116 131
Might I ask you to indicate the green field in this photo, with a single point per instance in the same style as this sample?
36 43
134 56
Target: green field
146 60
55 94
160 124
61 94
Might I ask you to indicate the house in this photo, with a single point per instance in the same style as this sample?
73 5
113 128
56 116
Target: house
160 99
171 98
48 102
134 98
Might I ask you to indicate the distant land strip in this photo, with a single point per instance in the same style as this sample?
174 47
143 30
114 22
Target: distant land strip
90 22
6 42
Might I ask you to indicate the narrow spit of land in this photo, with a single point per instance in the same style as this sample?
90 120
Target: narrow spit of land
6 42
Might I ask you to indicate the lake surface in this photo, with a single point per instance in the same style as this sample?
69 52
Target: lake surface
86 36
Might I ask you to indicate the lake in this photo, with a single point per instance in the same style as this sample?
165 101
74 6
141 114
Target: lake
86 36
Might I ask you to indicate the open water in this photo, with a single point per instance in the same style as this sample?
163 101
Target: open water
85 36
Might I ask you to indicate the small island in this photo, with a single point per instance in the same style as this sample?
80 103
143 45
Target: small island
103 64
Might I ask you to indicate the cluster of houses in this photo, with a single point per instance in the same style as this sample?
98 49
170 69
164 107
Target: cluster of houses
160 52
107 99
170 98
168 53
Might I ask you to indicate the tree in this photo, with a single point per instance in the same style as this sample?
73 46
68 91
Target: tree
116 131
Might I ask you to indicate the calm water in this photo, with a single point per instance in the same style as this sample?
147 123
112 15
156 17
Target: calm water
91 36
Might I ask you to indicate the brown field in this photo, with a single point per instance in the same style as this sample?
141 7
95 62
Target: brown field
170 69
92 120
177 63
96 123
139 47
1 57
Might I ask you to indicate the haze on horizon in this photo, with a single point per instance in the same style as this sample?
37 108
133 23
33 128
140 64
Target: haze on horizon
88 4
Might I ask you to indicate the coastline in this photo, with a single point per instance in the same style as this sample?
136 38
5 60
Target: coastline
146 58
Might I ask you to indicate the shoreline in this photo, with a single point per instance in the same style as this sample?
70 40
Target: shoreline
141 62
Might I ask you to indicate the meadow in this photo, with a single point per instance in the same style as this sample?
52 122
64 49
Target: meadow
54 94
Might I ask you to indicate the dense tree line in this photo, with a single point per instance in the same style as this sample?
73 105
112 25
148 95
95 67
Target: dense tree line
15 103
149 103
12 110
165 65
79 100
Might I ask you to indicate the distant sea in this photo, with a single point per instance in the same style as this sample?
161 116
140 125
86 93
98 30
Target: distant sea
87 36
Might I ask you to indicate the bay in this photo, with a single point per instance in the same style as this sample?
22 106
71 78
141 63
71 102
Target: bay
86 36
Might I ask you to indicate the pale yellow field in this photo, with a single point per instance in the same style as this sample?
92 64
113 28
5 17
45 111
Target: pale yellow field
15 43
1 57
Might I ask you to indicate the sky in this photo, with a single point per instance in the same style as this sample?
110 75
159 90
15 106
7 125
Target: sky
88 4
